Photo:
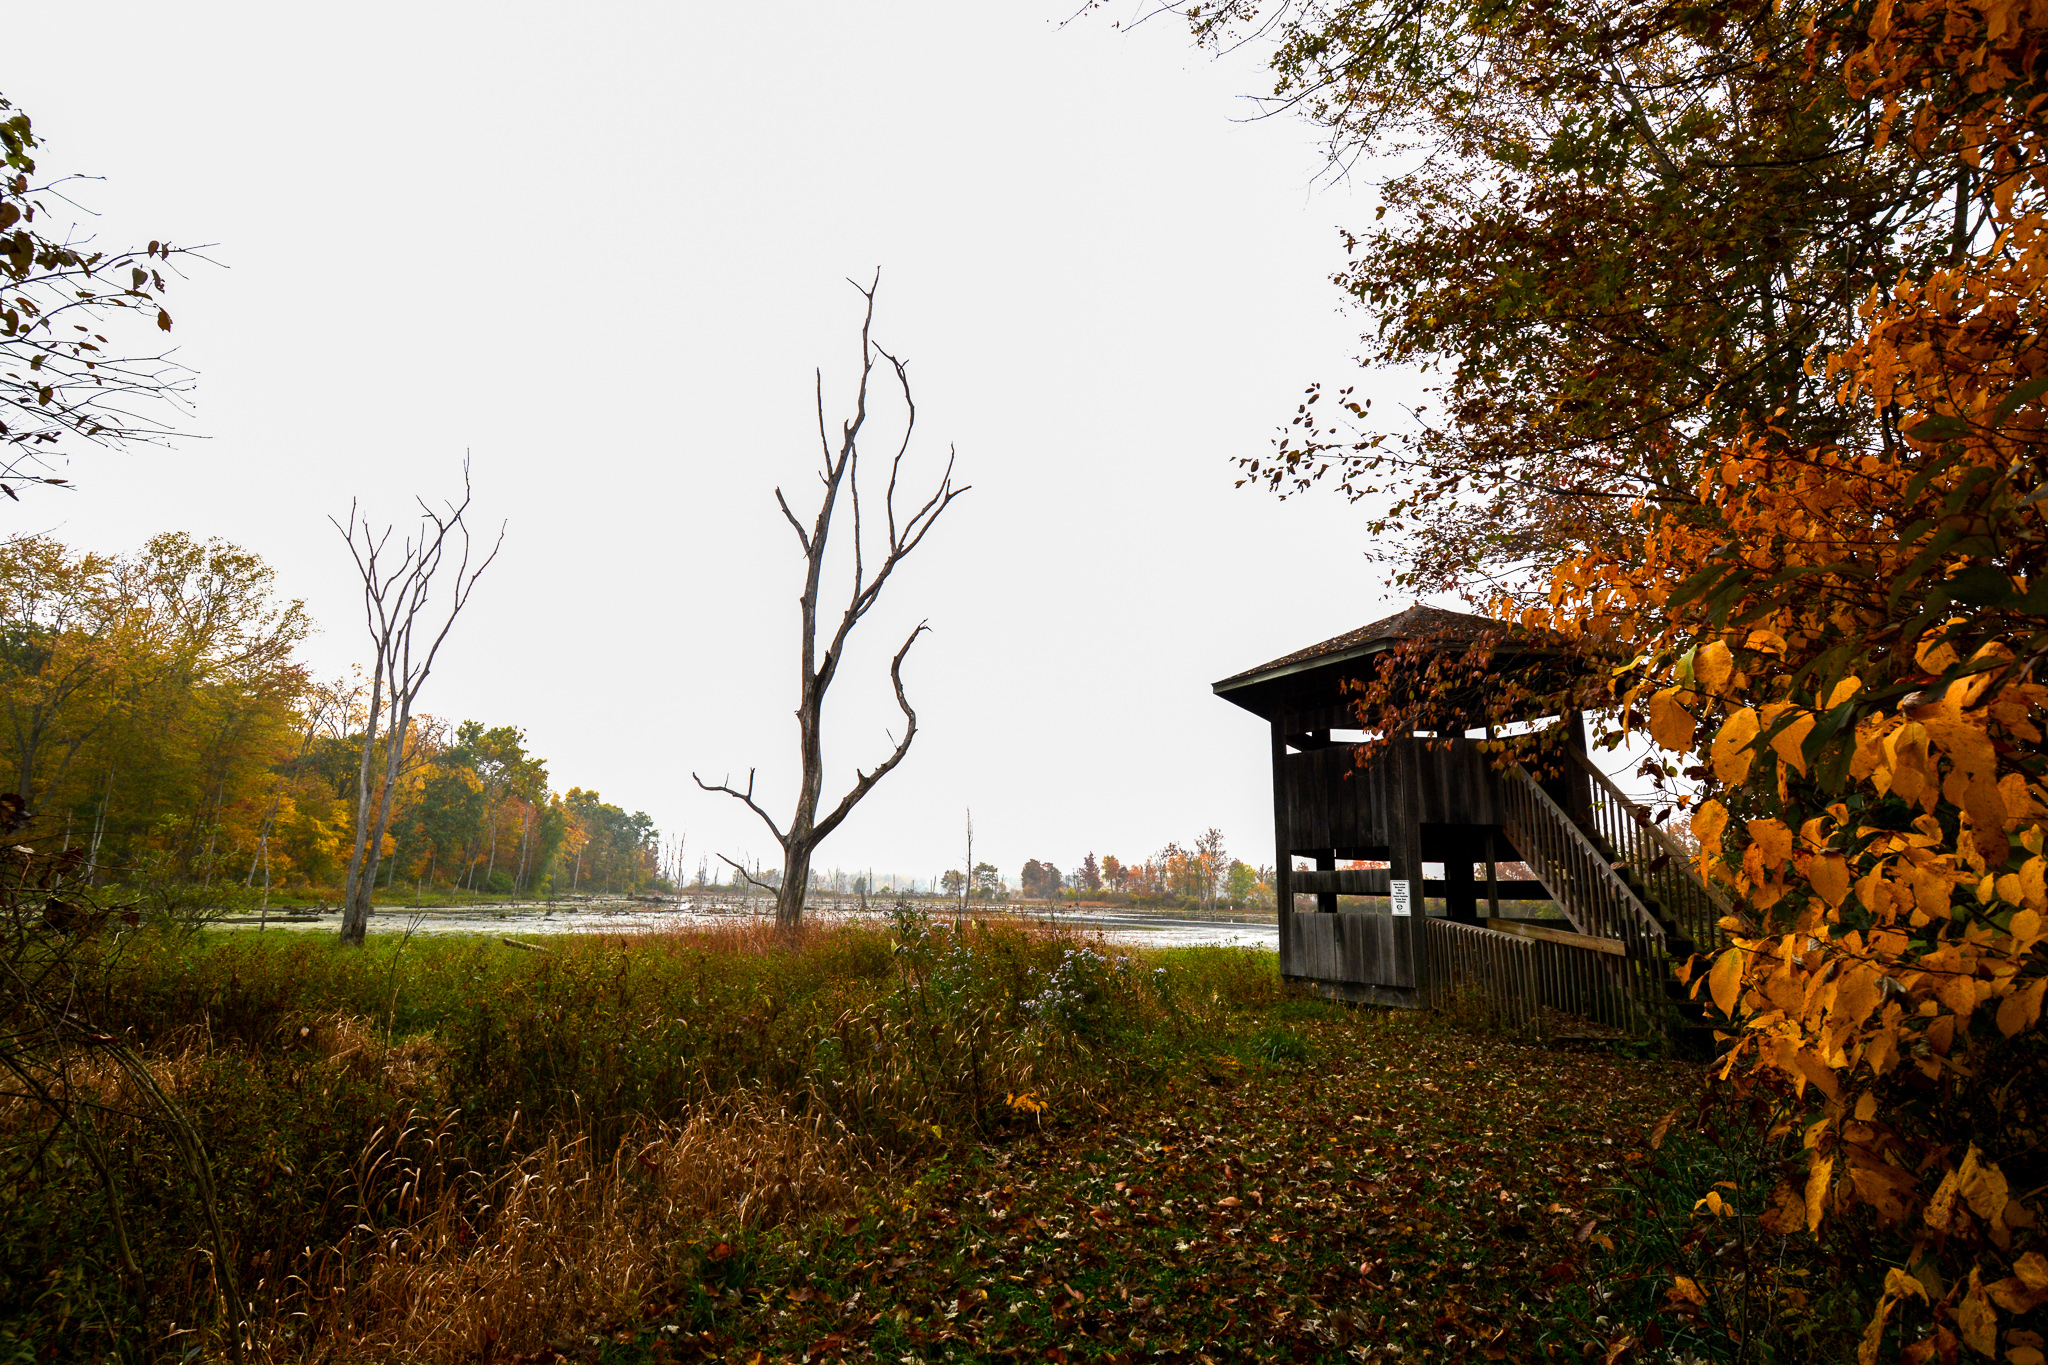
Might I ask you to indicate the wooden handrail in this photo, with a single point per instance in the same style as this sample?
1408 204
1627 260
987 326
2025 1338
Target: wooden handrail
1617 888
1678 852
1613 946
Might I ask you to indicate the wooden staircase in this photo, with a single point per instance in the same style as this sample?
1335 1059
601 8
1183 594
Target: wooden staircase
1620 880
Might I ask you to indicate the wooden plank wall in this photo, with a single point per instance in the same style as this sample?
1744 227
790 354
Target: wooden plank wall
1322 799
1347 947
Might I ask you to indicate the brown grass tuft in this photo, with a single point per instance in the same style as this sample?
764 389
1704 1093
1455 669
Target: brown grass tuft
555 1243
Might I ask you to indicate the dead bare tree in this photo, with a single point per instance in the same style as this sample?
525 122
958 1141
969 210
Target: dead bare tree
396 594
839 473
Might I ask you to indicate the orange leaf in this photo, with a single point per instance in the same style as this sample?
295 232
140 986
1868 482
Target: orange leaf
1671 725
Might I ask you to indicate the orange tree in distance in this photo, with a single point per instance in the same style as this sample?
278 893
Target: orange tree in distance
1850 636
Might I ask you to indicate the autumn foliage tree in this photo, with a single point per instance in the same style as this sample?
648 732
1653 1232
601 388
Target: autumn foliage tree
1740 309
1848 634
1608 237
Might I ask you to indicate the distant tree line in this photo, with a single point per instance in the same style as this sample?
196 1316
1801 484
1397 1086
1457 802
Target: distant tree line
154 713
1202 874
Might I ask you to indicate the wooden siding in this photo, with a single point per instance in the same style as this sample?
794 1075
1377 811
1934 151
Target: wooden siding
1323 800
1368 949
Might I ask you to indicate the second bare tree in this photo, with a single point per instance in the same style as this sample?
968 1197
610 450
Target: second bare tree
840 473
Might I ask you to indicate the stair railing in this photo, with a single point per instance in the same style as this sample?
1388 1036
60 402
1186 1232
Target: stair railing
1663 867
1591 893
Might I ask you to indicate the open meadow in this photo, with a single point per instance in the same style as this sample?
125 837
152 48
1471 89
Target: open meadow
917 1140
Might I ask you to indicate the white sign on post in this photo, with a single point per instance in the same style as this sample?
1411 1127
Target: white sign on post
1401 904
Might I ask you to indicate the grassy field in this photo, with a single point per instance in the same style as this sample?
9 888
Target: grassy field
924 1142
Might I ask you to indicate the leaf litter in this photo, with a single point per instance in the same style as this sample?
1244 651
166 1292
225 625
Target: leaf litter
1410 1194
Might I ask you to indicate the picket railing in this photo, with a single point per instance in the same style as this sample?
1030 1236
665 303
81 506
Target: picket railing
1522 978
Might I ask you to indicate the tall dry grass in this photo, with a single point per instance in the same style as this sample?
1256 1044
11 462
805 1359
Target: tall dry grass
462 1269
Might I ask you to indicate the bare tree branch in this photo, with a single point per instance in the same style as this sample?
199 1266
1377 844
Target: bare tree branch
863 784
747 798
396 598
743 872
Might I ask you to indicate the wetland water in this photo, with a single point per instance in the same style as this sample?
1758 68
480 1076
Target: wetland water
530 920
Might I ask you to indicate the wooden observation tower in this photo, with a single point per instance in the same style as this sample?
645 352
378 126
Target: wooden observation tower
1437 809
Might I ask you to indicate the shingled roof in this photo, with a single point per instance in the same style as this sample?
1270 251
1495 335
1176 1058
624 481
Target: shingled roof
1415 623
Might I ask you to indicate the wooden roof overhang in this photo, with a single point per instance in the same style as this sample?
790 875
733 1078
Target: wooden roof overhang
1312 682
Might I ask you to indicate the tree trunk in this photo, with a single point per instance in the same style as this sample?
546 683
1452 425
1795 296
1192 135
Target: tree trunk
796 880
525 832
356 918
492 865
99 828
355 924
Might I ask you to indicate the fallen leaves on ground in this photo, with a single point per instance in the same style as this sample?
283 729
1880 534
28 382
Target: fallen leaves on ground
1409 1193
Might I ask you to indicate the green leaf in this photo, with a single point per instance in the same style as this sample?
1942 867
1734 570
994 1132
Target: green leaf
1981 585
2025 393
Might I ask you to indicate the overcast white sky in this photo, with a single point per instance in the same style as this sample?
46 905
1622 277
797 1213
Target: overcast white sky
601 248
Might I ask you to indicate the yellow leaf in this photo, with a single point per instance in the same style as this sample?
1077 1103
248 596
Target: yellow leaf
1977 1319
1942 1207
1773 841
1829 874
1789 741
2025 927
1858 995
1958 992
1725 981
1871 754
1897 1285
1983 1185
1933 655
1817 1191
1731 753
2025 1290
1713 665
1708 822
1686 1288
1843 690
1671 725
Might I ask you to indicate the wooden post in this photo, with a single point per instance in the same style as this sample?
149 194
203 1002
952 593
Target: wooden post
1283 851
1404 858
1326 901
1492 880
1577 785
1461 897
